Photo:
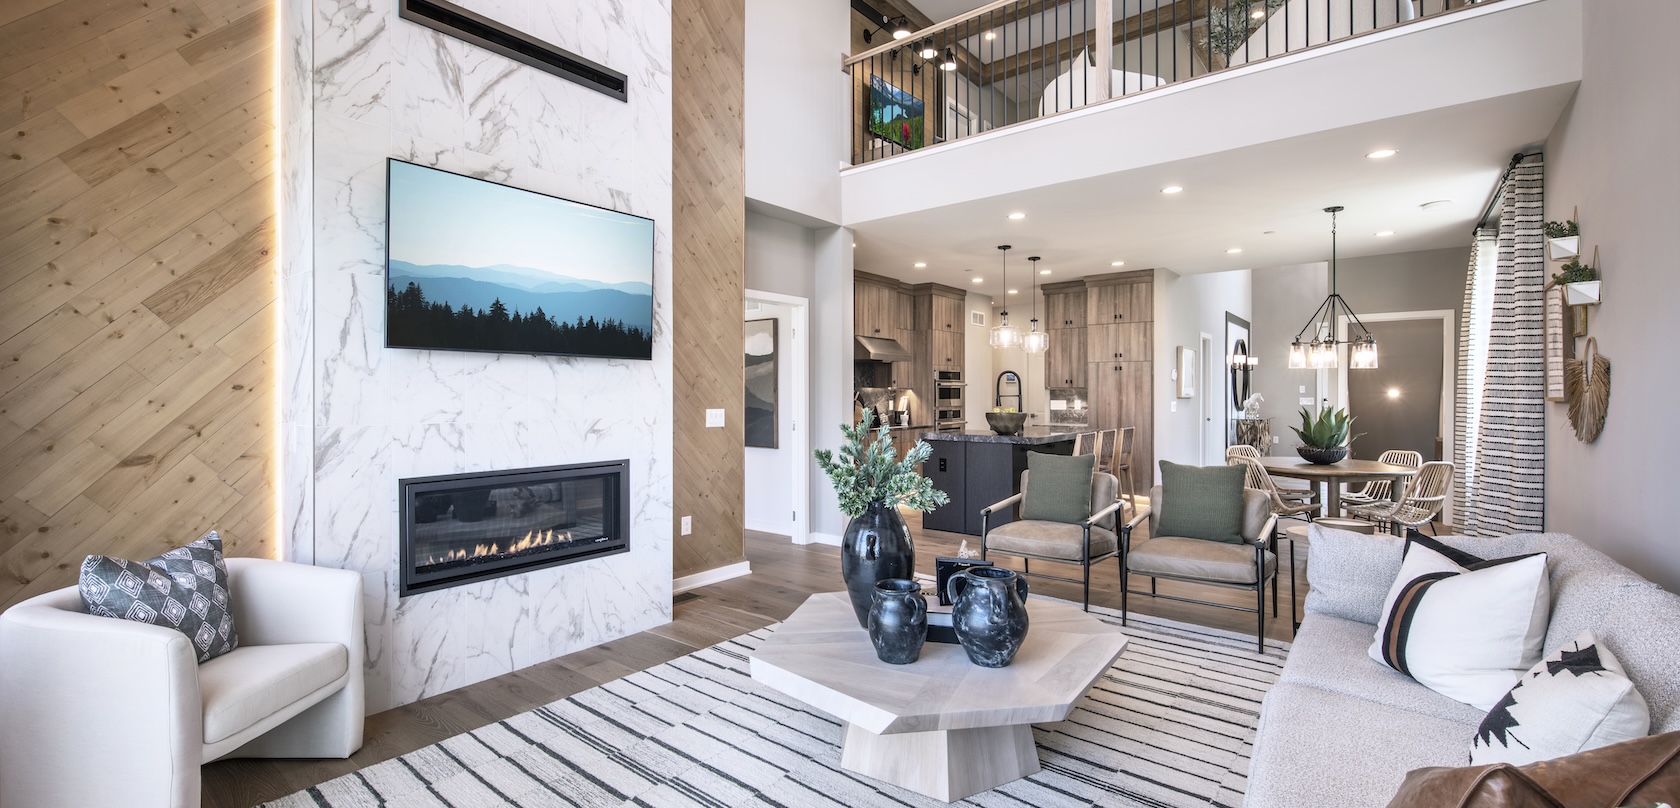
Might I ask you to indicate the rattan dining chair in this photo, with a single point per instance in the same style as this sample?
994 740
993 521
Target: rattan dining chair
1420 500
1292 495
1121 467
1381 491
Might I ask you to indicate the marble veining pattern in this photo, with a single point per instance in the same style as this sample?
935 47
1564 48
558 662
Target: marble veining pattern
361 416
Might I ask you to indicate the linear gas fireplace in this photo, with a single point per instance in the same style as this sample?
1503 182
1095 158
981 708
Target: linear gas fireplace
461 528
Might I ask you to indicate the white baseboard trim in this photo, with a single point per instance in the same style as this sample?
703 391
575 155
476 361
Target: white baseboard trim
711 576
822 538
778 528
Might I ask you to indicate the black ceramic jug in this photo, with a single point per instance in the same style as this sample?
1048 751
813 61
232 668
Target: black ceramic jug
989 614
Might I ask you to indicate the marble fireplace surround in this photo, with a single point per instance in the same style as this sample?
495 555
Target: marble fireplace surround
359 85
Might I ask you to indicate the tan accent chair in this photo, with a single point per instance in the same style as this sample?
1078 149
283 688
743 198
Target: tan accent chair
101 711
1421 501
1083 543
1247 565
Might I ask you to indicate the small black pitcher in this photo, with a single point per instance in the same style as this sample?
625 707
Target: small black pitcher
898 621
989 614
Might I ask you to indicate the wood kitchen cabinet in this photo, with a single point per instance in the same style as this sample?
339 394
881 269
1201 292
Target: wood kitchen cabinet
1122 342
1064 362
940 312
946 350
1121 394
1119 301
1064 308
874 310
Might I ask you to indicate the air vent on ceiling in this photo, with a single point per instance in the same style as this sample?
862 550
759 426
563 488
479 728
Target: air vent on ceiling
976 318
486 33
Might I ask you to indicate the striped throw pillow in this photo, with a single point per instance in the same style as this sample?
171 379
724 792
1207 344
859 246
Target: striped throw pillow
1462 626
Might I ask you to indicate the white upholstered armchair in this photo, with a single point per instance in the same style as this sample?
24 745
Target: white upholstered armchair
99 711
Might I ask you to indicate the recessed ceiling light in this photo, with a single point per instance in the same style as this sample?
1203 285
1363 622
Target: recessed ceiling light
1267 232
1172 189
1381 153
990 35
1437 204
1233 251
1014 291
1017 216
921 265
979 280
1044 272
1385 233
1118 264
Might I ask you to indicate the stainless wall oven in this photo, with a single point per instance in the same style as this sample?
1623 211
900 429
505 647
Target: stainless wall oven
948 401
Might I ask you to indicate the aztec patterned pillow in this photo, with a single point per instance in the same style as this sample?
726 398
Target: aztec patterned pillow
185 589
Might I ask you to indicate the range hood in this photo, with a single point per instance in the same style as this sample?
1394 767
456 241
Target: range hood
880 349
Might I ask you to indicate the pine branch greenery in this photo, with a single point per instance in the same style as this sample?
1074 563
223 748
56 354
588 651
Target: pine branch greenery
870 472
1575 272
1562 229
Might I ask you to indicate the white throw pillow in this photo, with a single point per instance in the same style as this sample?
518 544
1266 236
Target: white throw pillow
1578 698
1462 626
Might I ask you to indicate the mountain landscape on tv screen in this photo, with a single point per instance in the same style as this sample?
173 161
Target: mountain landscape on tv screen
516 310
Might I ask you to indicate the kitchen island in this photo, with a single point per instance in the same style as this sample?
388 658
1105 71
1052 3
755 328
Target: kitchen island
978 468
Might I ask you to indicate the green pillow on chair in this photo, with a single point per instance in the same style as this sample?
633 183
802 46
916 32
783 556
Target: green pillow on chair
1202 502
1059 488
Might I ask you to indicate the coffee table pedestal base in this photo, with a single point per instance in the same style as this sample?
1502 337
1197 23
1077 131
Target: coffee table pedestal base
946 764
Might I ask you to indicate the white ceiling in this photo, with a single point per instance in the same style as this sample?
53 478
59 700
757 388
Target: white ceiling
1230 200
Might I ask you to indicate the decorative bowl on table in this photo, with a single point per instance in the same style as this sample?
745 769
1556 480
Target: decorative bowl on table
1322 457
1006 423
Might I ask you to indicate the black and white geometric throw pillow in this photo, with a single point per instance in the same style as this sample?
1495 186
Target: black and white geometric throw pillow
185 589
1463 626
1576 699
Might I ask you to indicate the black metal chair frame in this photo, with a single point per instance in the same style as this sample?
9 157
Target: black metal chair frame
1267 537
1085 549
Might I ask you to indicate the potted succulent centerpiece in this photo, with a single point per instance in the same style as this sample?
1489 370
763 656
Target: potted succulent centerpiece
873 483
1324 439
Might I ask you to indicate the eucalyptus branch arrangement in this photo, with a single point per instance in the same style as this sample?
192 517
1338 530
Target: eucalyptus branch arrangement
868 472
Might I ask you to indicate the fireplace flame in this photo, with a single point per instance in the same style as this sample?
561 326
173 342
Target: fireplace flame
531 540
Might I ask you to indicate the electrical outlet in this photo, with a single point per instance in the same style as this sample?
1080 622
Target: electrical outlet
1303 388
1276 440
687 525
714 419
1172 406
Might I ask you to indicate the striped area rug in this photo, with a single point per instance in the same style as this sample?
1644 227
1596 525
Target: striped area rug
1170 724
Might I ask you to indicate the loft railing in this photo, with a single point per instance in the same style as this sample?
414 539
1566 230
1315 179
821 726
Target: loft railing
1016 60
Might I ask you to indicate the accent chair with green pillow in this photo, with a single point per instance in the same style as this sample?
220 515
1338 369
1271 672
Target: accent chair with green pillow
1067 516
1194 500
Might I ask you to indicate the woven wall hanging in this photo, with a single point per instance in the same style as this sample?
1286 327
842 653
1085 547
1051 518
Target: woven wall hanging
1587 383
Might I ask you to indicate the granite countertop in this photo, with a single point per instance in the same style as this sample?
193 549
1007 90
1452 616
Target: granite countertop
1032 436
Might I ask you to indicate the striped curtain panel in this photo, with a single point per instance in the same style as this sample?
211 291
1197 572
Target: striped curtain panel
1502 458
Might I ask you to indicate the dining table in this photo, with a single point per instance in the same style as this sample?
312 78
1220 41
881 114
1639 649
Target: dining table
1335 475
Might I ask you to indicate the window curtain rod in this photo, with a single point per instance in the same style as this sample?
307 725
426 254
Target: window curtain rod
1499 188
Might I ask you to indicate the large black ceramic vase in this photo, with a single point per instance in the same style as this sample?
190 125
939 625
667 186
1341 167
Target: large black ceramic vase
898 621
876 547
989 614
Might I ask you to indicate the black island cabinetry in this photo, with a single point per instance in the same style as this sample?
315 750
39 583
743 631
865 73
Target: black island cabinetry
976 469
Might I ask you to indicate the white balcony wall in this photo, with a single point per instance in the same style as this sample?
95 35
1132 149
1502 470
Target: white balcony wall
797 112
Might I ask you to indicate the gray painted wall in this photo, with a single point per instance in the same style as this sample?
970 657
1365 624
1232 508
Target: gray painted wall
1284 297
781 256
1611 156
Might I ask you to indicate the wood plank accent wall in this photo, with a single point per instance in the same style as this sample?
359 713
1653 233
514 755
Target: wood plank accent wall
709 223
137 282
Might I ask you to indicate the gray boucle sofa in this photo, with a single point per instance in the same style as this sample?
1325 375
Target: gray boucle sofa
1339 729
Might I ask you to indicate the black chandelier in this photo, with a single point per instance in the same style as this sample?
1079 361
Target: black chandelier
1320 352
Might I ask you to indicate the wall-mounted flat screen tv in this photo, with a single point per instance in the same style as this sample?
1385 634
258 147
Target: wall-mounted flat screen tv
895 114
471 265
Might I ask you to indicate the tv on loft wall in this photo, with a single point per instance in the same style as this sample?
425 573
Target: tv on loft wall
473 265
894 114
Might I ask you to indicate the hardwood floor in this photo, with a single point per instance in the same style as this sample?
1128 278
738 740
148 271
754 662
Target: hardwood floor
784 574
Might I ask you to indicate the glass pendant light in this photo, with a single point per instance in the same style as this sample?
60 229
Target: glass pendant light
1035 341
1322 351
1005 335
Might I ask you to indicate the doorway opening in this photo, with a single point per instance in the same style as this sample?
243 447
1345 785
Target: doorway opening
777 467
1406 402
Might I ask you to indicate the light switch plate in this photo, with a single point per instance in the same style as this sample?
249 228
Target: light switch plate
1276 440
687 525
714 418
1303 388
1172 406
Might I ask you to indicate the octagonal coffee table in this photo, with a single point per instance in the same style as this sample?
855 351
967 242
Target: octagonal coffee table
941 726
